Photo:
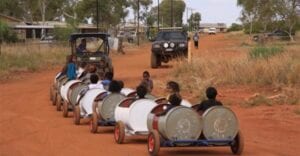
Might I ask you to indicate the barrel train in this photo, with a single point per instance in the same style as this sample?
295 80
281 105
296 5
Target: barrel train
130 115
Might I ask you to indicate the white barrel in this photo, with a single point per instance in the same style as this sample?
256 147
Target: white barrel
88 99
135 115
65 88
74 91
179 123
128 92
56 76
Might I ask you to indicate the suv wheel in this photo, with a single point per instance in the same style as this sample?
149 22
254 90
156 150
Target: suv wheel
154 60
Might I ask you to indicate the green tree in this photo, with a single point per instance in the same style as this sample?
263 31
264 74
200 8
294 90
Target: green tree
235 27
165 12
194 21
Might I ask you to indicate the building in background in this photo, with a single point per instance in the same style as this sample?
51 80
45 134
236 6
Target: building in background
220 27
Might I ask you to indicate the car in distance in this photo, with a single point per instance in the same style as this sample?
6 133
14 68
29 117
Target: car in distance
169 43
212 31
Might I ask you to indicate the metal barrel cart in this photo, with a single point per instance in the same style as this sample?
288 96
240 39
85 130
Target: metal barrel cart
53 89
86 102
59 84
128 92
70 93
104 111
184 127
131 116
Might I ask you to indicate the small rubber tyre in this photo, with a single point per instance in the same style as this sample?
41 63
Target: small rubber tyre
153 143
76 115
119 132
154 63
238 146
51 93
54 98
65 109
58 103
94 123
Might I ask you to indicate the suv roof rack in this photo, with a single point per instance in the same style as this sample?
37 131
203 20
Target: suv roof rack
171 28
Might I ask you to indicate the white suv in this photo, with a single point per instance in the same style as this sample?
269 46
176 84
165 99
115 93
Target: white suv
212 31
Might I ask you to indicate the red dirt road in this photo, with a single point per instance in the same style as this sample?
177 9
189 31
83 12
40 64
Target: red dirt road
30 126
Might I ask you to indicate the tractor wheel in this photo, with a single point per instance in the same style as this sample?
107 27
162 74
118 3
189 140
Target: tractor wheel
153 143
119 132
238 146
54 98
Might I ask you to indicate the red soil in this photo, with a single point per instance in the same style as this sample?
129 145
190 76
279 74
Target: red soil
29 124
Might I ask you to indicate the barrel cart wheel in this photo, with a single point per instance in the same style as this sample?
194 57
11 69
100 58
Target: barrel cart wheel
51 93
238 146
76 115
65 109
54 98
94 123
119 132
153 143
58 103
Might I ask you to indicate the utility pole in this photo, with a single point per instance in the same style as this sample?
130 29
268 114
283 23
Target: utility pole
172 20
97 15
157 15
138 26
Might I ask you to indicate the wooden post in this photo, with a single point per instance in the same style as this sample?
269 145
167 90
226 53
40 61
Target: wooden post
190 53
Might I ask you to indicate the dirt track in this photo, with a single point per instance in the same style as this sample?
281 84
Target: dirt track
29 124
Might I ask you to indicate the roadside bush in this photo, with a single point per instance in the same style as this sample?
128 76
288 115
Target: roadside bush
63 34
7 34
235 27
265 52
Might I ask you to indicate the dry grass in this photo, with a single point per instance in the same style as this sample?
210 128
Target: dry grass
30 57
282 69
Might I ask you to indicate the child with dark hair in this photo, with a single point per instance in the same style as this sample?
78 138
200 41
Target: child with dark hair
108 77
94 79
172 88
175 100
147 82
114 87
211 94
121 83
141 91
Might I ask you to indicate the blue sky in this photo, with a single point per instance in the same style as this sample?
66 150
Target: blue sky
214 11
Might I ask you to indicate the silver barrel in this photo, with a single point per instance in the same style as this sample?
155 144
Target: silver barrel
106 107
180 123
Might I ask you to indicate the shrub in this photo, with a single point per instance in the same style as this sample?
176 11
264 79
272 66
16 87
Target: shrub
7 34
63 34
265 52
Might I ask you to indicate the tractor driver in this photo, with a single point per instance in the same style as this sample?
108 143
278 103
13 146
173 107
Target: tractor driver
82 46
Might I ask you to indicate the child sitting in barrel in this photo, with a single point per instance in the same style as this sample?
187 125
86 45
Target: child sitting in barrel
174 100
172 88
141 91
211 94
94 79
147 82
108 77
114 87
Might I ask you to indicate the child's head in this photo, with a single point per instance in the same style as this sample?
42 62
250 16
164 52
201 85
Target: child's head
173 87
114 87
146 75
102 63
121 83
175 100
94 79
92 69
109 76
211 93
69 58
141 91
83 65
